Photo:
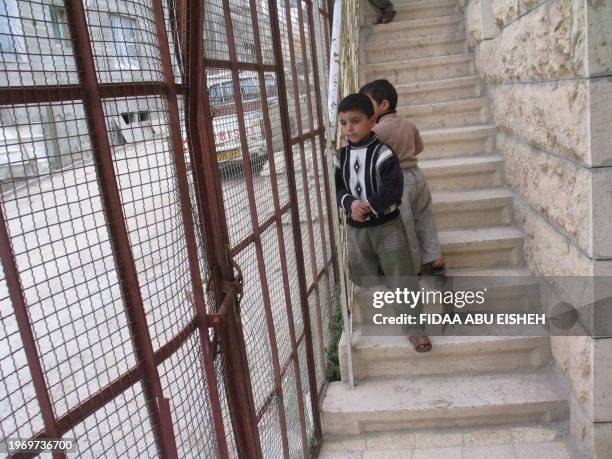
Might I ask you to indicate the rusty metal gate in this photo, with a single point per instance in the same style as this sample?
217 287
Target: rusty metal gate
166 240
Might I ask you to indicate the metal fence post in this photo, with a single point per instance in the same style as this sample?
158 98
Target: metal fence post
115 219
202 147
295 218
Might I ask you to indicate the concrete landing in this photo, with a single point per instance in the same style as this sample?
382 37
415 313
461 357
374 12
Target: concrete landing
440 401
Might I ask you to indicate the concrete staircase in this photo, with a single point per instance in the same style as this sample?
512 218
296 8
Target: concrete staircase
465 381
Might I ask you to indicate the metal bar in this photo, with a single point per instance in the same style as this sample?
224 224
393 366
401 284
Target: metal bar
278 212
213 222
175 10
248 66
115 219
324 164
89 406
295 217
18 301
307 136
264 226
212 217
187 219
324 270
65 93
307 191
332 106
253 211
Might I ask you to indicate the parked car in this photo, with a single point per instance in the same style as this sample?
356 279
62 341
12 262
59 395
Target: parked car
225 120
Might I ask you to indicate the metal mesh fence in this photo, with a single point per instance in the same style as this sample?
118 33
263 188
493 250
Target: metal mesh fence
167 260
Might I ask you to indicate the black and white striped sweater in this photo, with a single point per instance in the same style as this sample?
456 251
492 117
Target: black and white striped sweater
369 171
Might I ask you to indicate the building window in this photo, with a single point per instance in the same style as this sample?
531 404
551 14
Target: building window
59 22
123 30
10 29
132 117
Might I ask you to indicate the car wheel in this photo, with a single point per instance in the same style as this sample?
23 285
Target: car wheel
258 161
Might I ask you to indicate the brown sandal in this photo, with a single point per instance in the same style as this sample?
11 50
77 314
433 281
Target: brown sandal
385 18
388 17
419 345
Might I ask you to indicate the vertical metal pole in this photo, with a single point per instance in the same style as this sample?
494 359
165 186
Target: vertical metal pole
183 185
307 192
246 161
279 231
324 163
212 219
295 217
116 224
11 272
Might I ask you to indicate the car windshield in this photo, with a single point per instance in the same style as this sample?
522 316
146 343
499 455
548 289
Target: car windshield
223 93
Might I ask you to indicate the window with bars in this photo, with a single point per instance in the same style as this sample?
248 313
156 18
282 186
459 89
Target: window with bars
10 30
124 36
59 23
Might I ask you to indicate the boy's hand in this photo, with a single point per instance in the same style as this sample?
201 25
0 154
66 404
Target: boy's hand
359 210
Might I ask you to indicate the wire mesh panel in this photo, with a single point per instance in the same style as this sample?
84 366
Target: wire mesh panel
164 226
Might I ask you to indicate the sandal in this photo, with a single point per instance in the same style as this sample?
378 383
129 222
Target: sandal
385 18
420 346
388 17
430 270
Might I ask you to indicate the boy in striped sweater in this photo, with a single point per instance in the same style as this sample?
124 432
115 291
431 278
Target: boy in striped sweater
369 187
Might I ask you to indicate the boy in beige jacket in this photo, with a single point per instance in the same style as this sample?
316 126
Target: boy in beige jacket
416 208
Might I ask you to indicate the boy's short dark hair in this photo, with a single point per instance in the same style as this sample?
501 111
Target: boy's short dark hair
380 90
357 103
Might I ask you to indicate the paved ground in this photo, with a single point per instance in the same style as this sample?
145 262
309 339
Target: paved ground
70 284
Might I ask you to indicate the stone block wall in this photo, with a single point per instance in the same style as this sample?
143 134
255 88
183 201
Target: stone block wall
547 65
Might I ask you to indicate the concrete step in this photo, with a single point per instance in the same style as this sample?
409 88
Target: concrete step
463 173
427 92
512 441
438 401
399 30
458 141
482 247
505 290
464 209
392 356
456 113
417 9
415 47
422 69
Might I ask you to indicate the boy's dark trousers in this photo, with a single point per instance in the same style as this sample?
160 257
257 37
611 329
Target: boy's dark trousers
380 255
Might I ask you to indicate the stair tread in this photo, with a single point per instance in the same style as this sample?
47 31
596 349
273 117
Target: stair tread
421 4
420 22
443 393
436 133
427 39
422 61
445 344
505 272
452 197
459 161
402 441
468 102
433 84
471 235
